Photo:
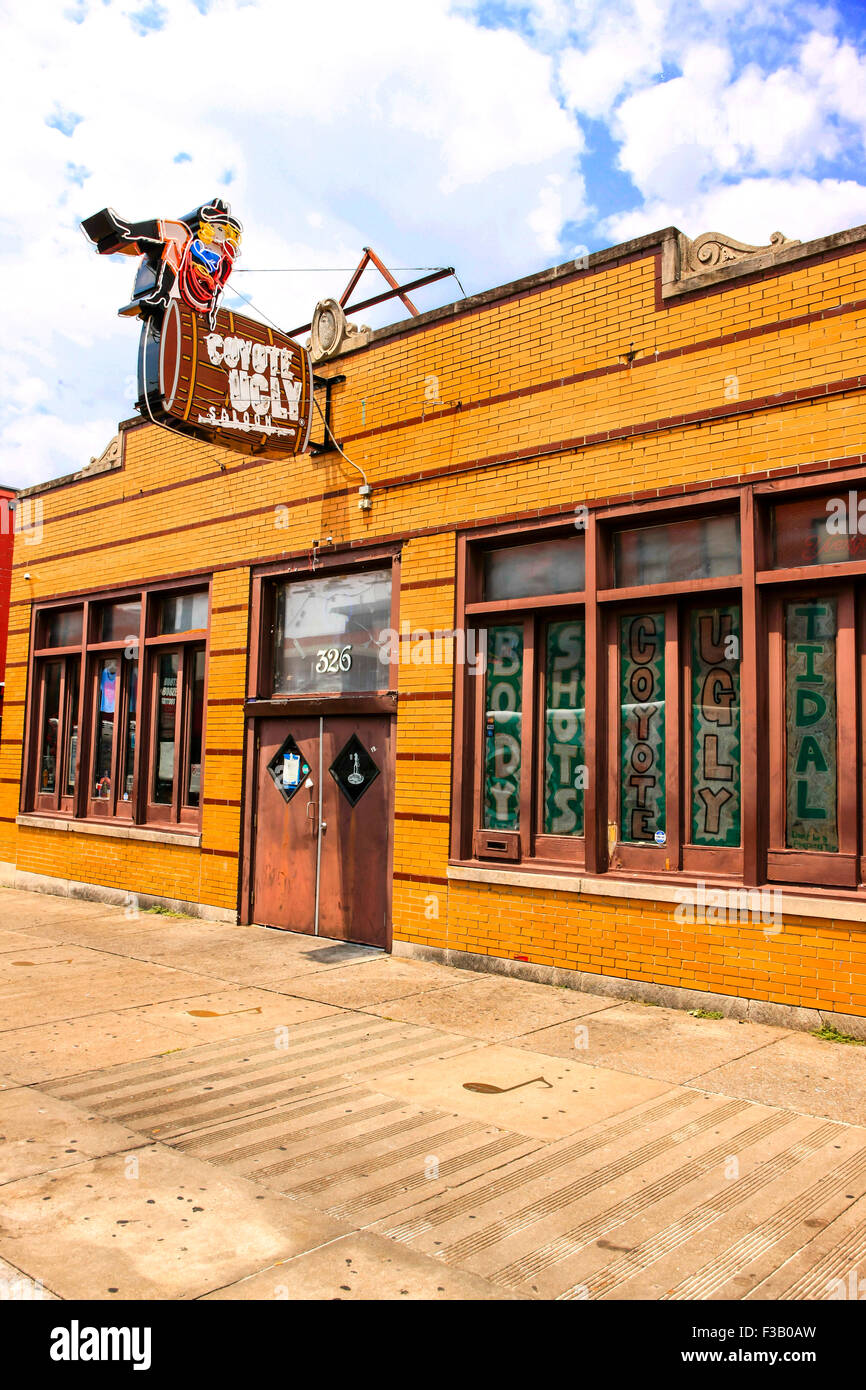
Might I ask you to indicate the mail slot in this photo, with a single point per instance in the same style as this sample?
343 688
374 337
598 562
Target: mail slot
497 844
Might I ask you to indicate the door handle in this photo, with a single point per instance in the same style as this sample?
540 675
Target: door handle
311 806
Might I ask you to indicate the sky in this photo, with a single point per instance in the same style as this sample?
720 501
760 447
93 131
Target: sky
496 136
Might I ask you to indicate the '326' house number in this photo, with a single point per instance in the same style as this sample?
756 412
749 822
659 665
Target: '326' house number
331 659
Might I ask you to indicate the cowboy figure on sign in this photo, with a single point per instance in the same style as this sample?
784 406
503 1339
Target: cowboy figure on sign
189 259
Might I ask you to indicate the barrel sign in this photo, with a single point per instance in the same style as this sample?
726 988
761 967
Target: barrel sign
235 382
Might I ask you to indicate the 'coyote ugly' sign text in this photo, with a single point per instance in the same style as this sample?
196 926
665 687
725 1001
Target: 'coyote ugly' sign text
204 372
241 384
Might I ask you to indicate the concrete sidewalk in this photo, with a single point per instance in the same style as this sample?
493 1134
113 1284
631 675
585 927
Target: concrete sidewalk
191 1110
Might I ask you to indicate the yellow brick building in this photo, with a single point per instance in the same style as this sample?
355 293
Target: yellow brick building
631 485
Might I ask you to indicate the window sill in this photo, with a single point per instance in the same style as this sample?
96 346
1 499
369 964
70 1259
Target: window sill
803 902
112 830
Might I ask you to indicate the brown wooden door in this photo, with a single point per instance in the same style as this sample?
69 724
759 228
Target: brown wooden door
321 854
356 829
285 835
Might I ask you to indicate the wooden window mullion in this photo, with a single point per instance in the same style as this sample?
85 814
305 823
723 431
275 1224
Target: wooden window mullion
673 722
611 654
119 684
792 864
527 746
140 704
861 745
846 723
595 813
188 663
753 729
478 743
40 729
60 773
178 735
81 787
777 732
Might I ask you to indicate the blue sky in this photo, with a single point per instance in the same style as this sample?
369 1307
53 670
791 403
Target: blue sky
497 137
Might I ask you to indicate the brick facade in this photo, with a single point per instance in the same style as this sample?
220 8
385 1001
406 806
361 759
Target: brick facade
575 387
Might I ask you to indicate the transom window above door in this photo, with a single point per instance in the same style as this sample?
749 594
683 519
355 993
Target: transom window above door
331 634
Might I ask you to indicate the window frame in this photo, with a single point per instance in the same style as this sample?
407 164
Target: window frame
530 843
52 801
758 591
548 848
41 656
98 808
712 859
261 696
140 648
625 854
178 811
813 867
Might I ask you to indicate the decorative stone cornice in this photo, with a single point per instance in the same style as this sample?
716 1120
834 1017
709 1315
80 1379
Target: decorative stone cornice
713 251
108 459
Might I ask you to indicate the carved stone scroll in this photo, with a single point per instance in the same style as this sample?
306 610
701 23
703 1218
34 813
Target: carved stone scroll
713 250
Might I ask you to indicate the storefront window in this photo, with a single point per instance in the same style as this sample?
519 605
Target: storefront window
106 694
825 530
119 622
704 548
810 713
108 670
50 721
183 613
70 760
503 728
639 736
564 770
524 571
196 722
642 728
59 628
127 782
332 634
166 719
715 725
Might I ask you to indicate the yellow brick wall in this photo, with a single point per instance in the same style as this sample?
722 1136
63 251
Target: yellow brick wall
177 507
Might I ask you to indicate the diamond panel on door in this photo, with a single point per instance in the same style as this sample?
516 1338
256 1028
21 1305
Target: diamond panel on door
288 768
353 770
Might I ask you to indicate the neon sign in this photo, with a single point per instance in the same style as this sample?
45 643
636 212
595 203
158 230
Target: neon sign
204 372
191 258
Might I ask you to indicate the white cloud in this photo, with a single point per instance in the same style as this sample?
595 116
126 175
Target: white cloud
29 440
422 130
623 48
329 128
558 201
706 124
716 142
751 210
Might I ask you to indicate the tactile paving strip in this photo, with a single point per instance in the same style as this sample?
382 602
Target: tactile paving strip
201 1085
713 1275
